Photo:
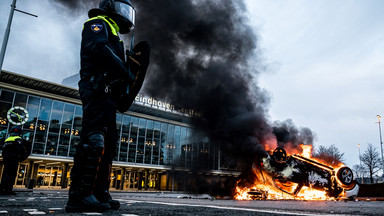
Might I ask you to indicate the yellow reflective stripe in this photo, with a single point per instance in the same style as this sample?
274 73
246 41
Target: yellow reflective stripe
12 138
114 26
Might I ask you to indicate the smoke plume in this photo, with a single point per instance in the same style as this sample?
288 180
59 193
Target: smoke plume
205 57
202 53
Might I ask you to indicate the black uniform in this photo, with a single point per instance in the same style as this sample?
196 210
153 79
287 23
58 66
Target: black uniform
13 152
103 77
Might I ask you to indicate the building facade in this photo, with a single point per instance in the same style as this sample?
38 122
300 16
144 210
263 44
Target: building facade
153 143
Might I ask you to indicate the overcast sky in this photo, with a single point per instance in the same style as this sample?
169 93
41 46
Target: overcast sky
324 61
326 67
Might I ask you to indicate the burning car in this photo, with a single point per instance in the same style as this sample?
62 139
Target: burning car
291 173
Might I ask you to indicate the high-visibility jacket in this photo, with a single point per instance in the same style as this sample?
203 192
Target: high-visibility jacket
102 57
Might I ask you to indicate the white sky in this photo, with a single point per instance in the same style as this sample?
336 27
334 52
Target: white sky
326 64
325 61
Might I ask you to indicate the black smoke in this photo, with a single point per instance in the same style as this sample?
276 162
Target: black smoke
205 56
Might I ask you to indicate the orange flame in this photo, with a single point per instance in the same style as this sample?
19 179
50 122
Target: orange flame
307 150
273 193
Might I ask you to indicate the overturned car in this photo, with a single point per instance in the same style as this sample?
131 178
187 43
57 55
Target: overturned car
290 173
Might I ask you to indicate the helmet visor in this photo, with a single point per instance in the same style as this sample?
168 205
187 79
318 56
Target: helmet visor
127 11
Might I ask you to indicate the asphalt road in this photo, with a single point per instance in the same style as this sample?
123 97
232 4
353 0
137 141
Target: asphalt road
52 202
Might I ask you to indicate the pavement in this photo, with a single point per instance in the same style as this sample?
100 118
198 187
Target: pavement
40 201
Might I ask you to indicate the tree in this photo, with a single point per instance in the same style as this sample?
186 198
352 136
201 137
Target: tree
330 155
371 160
358 170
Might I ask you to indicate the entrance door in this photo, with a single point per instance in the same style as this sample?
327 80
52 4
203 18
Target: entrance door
21 174
49 176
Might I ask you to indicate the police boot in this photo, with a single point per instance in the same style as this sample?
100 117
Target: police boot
83 176
102 182
105 197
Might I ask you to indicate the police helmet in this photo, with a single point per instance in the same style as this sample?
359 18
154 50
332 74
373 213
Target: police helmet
15 131
121 11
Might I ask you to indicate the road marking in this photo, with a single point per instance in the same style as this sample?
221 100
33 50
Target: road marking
29 210
55 208
129 215
92 213
4 212
36 213
242 209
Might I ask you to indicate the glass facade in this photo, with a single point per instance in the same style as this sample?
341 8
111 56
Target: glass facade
54 129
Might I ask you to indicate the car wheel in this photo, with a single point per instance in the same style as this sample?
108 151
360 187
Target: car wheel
280 155
345 175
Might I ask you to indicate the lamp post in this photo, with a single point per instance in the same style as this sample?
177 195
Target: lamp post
361 168
6 34
381 144
8 30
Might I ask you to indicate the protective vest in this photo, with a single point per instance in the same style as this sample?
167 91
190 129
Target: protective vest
12 138
102 57
114 27
12 142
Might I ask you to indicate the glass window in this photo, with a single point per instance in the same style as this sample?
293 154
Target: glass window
148 142
52 141
133 139
38 148
6 96
57 112
75 132
170 145
124 139
78 110
4 107
183 147
141 141
156 143
66 129
196 138
45 109
119 118
176 146
42 124
64 140
3 134
163 143
68 113
75 141
33 109
189 148
204 152
20 100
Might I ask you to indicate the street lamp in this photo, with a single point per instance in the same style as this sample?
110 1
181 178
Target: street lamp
381 144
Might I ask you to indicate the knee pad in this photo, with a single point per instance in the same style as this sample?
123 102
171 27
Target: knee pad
93 147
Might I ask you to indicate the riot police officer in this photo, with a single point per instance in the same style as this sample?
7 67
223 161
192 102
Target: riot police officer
14 151
106 78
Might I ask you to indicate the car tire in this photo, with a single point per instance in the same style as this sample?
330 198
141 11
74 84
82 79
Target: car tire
345 176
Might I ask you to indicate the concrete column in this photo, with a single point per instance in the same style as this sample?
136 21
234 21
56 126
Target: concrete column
158 182
115 173
168 180
29 173
123 174
118 182
140 175
1 168
146 179
64 180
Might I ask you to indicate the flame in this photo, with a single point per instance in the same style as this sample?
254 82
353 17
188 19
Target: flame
266 190
307 150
